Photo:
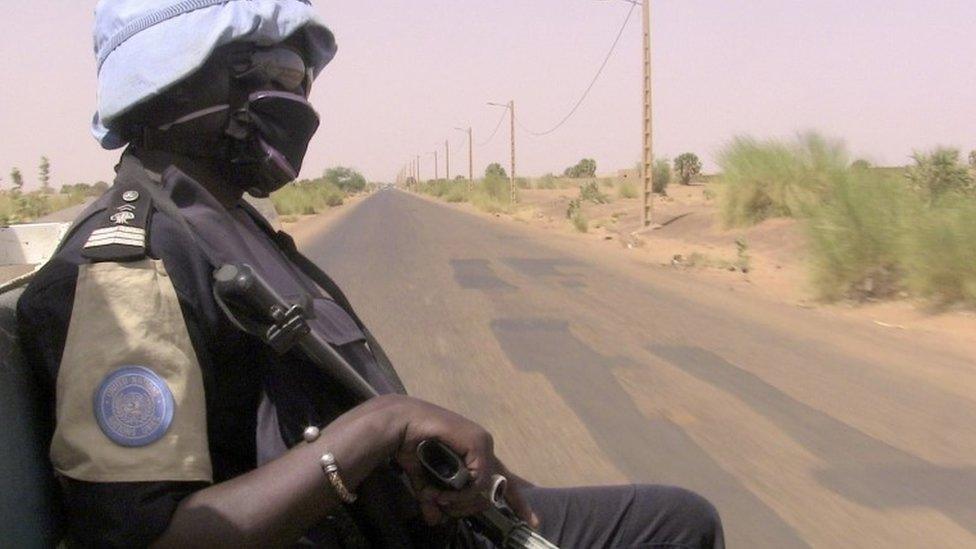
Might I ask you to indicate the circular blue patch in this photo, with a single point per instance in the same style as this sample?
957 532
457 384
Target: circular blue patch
134 406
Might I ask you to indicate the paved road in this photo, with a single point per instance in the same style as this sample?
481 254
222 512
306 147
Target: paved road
803 429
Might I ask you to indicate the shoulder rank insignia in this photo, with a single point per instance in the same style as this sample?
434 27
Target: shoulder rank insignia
122 234
134 406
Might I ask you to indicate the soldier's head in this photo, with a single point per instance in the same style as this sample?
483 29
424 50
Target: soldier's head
226 81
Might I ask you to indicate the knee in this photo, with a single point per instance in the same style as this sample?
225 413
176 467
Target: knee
689 516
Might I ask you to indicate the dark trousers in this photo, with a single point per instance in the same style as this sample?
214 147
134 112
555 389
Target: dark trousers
636 516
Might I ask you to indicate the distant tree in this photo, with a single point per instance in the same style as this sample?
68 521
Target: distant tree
99 187
688 167
939 172
347 179
661 176
584 168
495 170
860 165
17 178
972 159
44 174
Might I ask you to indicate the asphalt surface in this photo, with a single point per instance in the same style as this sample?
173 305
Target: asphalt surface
802 428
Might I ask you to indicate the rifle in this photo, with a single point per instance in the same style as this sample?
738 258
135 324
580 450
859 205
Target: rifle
257 309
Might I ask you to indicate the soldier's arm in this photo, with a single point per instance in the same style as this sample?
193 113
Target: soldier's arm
276 503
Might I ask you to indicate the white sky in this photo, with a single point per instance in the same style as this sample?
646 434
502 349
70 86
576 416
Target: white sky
887 76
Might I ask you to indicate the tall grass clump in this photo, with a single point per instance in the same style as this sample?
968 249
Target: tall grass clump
307 197
765 179
938 173
857 236
878 233
941 251
661 176
493 195
627 189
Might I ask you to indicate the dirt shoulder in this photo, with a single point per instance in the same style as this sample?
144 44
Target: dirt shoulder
766 262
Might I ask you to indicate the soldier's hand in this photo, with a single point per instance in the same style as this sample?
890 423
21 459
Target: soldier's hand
423 421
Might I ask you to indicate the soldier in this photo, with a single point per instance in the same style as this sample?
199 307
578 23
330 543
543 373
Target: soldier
173 426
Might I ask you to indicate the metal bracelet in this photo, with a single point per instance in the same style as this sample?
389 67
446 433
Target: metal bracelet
331 470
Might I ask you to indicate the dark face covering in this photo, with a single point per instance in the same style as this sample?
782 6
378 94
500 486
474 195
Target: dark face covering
275 129
247 108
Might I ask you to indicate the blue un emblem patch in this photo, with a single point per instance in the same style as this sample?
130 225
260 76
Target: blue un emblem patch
134 406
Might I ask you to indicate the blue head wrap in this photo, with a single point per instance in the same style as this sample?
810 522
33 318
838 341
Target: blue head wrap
143 47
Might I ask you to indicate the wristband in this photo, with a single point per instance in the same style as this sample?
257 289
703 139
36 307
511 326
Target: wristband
331 470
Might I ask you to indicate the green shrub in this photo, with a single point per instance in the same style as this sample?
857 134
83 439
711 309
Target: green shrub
457 193
19 207
523 183
346 179
591 192
492 194
495 170
574 208
547 181
580 223
661 176
764 179
939 172
627 190
940 255
307 197
584 168
857 237
688 167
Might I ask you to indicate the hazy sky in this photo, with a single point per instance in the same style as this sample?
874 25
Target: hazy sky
888 76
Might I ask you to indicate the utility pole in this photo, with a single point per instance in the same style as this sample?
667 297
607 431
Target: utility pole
647 158
418 168
447 159
470 156
435 166
511 107
511 110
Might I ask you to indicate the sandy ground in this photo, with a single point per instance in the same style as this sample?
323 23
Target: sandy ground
689 238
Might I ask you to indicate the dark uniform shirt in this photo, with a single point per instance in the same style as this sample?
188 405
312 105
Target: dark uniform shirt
156 393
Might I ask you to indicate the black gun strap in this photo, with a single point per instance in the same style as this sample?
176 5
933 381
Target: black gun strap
324 281
165 204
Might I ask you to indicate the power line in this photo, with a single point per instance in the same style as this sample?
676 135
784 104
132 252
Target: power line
596 77
495 131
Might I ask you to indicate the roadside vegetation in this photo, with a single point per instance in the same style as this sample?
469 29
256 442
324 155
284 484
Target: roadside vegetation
874 233
491 193
20 206
311 196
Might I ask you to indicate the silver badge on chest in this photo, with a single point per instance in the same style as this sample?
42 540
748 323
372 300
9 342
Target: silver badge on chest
122 217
